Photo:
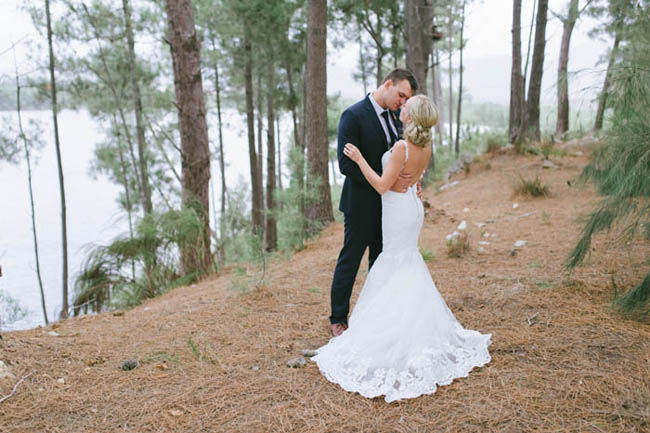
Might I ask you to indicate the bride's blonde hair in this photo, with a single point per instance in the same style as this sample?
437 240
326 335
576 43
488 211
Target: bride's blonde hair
423 117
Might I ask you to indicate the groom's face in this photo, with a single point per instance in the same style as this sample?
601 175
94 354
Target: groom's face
397 94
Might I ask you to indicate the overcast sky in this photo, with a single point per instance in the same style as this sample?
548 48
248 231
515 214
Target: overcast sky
487 55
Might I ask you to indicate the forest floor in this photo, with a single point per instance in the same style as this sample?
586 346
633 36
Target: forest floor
212 357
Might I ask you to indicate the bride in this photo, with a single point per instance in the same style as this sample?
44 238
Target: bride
402 340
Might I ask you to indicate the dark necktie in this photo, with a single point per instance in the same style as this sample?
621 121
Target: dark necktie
393 137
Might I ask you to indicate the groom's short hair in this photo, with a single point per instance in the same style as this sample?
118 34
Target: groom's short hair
397 75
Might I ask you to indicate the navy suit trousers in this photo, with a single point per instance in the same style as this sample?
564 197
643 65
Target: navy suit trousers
361 232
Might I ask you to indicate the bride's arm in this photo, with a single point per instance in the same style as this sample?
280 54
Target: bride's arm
394 165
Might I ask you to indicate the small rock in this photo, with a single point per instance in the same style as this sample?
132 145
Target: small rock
452 236
578 153
53 334
308 352
297 362
483 243
479 225
486 235
515 205
129 364
481 250
255 368
462 225
175 412
548 164
60 381
520 244
466 209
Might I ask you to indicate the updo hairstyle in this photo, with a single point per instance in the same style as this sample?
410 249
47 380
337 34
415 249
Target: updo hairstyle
423 117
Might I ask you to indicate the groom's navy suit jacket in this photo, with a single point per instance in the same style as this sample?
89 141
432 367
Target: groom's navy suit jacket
360 126
360 203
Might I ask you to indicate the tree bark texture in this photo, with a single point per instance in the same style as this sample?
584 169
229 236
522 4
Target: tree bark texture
28 161
195 152
516 79
604 93
450 47
536 72
460 81
271 232
222 168
145 191
320 209
260 144
418 20
57 144
568 24
252 154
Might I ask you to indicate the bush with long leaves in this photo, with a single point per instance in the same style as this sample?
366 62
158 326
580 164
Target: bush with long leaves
620 168
131 269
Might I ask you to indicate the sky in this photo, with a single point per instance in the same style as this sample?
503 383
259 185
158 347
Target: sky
486 58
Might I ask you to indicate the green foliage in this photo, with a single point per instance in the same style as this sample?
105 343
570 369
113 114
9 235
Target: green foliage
10 310
458 246
427 255
133 268
620 168
531 187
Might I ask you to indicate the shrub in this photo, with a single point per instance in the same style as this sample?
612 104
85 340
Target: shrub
531 187
458 245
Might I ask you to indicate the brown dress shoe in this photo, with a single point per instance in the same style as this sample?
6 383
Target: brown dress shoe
337 329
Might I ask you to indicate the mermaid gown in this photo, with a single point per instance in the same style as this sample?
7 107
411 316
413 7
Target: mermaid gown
402 340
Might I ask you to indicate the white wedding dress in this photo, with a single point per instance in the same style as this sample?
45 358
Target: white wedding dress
402 340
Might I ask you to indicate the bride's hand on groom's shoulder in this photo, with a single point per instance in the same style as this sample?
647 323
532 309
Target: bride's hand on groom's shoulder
352 152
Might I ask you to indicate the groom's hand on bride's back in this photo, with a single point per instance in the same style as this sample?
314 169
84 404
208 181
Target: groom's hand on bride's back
402 183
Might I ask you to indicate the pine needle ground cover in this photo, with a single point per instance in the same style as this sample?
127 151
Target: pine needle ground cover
212 358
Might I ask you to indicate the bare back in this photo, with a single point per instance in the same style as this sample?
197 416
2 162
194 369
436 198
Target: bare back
417 160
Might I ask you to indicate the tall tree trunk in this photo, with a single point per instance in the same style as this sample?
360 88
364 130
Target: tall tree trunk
31 194
271 232
362 61
250 122
145 191
437 93
222 168
604 93
260 144
55 120
195 158
396 31
460 80
110 82
127 193
516 79
320 209
530 40
297 138
379 57
568 24
277 134
536 71
450 48
418 18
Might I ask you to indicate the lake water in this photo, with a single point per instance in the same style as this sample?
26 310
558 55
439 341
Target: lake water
92 210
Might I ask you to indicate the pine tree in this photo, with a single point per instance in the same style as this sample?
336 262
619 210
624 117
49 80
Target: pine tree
621 166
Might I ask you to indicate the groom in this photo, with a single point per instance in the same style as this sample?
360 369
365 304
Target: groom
372 125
